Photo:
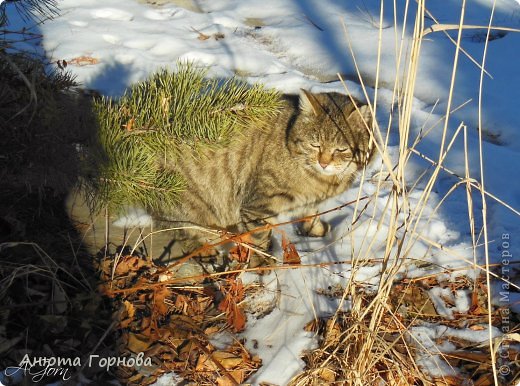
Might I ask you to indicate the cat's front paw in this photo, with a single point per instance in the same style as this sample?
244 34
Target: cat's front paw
315 228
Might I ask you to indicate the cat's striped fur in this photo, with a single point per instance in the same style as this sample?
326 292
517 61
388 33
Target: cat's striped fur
310 151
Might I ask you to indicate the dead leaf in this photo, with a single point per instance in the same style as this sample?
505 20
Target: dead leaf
238 375
83 61
135 379
171 324
160 294
226 359
184 323
105 266
290 254
157 349
485 380
240 252
205 363
138 343
478 311
201 36
429 282
333 332
225 381
418 301
129 264
448 300
315 325
129 125
126 315
327 374
211 330
233 294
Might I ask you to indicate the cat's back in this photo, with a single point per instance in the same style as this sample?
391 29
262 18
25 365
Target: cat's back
237 160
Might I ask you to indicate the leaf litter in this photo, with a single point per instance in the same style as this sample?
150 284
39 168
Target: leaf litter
174 324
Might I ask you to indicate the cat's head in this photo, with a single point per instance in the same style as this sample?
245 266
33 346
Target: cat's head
330 135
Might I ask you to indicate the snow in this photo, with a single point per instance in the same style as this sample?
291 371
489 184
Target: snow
134 218
303 44
428 337
170 379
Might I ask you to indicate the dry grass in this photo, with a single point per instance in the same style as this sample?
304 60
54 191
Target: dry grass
373 344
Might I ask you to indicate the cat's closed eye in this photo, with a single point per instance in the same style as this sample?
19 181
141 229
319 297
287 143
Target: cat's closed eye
342 150
315 145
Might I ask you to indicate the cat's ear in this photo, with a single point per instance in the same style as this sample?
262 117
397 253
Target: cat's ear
308 104
361 117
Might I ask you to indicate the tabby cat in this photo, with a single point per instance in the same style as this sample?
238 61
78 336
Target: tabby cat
310 151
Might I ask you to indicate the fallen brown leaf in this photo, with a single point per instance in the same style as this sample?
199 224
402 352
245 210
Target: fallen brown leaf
233 294
83 61
240 252
130 264
126 314
138 343
290 254
485 380
160 294
327 374
227 359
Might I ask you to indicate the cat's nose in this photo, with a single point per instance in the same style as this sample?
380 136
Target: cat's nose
324 164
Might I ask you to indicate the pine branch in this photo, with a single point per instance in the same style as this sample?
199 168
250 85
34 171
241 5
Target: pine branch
28 9
148 125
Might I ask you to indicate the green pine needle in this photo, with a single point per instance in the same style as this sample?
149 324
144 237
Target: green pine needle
153 119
